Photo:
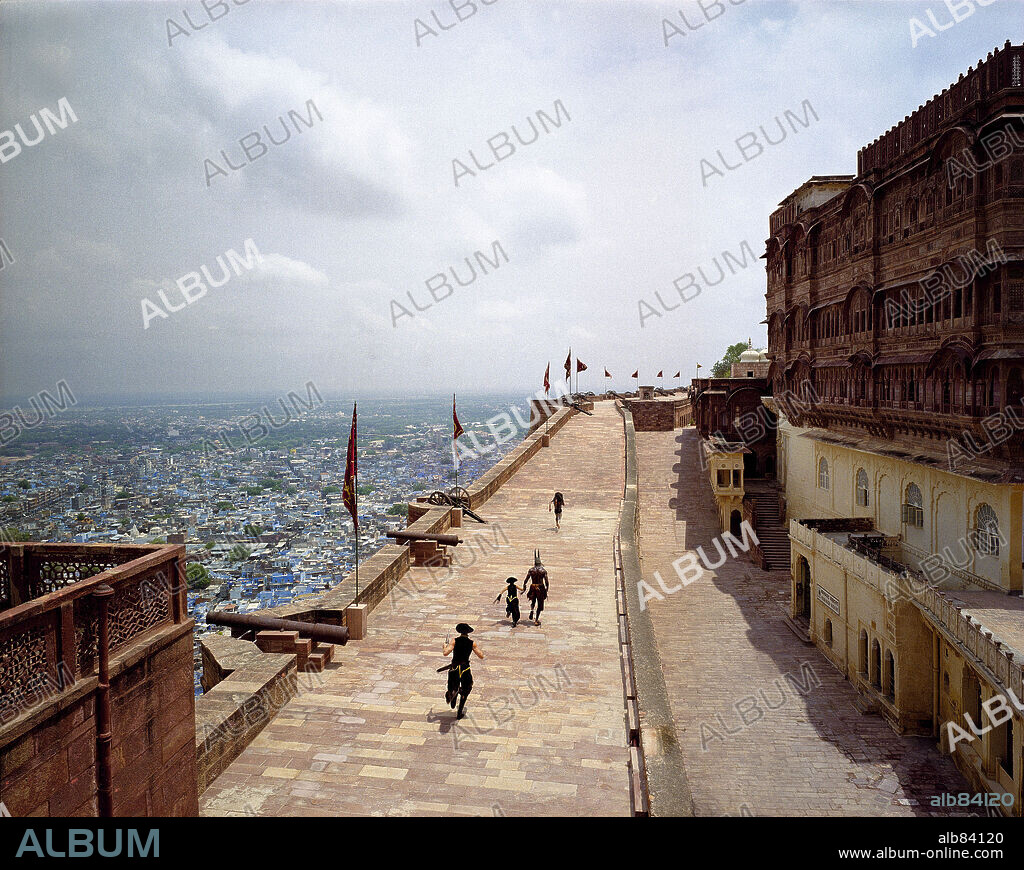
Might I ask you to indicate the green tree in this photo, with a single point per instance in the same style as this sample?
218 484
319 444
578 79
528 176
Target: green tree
327 490
13 534
238 553
24 484
397 510
723 368
253 531
224 505
198 576
366 489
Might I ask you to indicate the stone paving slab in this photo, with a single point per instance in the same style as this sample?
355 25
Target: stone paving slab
545 733
766 724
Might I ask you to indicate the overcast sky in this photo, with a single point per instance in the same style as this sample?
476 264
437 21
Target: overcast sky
361 207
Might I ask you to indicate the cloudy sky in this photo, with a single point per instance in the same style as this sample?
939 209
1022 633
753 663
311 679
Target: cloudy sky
358 205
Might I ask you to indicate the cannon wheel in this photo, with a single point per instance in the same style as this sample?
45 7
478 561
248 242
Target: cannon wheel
439 498
459 496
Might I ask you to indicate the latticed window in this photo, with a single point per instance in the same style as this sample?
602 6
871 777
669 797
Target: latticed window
862 488
986 531
913 507
823 482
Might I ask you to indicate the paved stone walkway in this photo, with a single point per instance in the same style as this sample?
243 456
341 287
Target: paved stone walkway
545 734
726 655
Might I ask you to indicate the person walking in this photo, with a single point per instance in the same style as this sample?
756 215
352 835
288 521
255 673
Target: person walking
558 502
460 677
537 577
511 600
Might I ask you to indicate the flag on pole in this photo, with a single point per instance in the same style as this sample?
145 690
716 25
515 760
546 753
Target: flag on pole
568 364
677 375
349 495
699 366
661 374
455 420
457 430
607 374
580 365
547 379
636 374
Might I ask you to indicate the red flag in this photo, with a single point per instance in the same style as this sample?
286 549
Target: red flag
580 365
606 373
661 374
568 364
455 419
547 381
349 492
636 374
677 375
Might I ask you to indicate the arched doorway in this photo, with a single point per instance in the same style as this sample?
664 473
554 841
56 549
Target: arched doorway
890 676
863 653
735 523
750 465
803 588
1014 387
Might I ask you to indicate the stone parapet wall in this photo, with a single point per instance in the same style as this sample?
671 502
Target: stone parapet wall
48 760
248 688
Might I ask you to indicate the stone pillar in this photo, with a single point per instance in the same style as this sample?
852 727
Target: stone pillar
355 620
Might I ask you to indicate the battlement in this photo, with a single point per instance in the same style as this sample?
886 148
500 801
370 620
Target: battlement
1000 71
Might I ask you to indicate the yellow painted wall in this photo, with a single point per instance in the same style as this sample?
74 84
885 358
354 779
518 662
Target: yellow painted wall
950 503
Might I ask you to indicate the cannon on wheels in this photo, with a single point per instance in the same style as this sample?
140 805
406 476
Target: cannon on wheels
455 497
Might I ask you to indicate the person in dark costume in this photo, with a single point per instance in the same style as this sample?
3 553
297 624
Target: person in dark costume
511 600
537 578
460 677
558 502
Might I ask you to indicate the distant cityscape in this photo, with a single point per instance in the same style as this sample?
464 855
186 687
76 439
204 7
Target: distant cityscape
252 489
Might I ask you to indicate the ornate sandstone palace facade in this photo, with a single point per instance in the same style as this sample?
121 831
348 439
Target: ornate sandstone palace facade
896 336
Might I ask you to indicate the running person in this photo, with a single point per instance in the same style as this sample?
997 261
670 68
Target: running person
558 502
460 678
511 600
537 577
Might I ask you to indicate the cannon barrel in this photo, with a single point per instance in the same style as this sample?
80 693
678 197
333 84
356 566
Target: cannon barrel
317 631
404 536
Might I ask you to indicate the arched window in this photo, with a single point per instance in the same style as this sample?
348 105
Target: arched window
823 482
986 531
862 487
863 653
913 506
889 678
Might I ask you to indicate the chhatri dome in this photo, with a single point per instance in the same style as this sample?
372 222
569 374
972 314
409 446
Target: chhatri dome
752 356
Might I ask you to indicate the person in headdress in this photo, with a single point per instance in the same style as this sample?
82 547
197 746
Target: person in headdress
460 677
511 600
537 578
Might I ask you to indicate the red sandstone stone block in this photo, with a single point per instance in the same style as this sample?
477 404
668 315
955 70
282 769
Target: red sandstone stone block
16 755
81 753
277 641
79 790
315 663
172 742
31 789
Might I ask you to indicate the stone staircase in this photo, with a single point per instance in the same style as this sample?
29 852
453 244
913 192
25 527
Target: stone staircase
309 655
771 531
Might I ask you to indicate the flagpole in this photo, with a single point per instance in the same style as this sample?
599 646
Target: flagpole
355 496
455 457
